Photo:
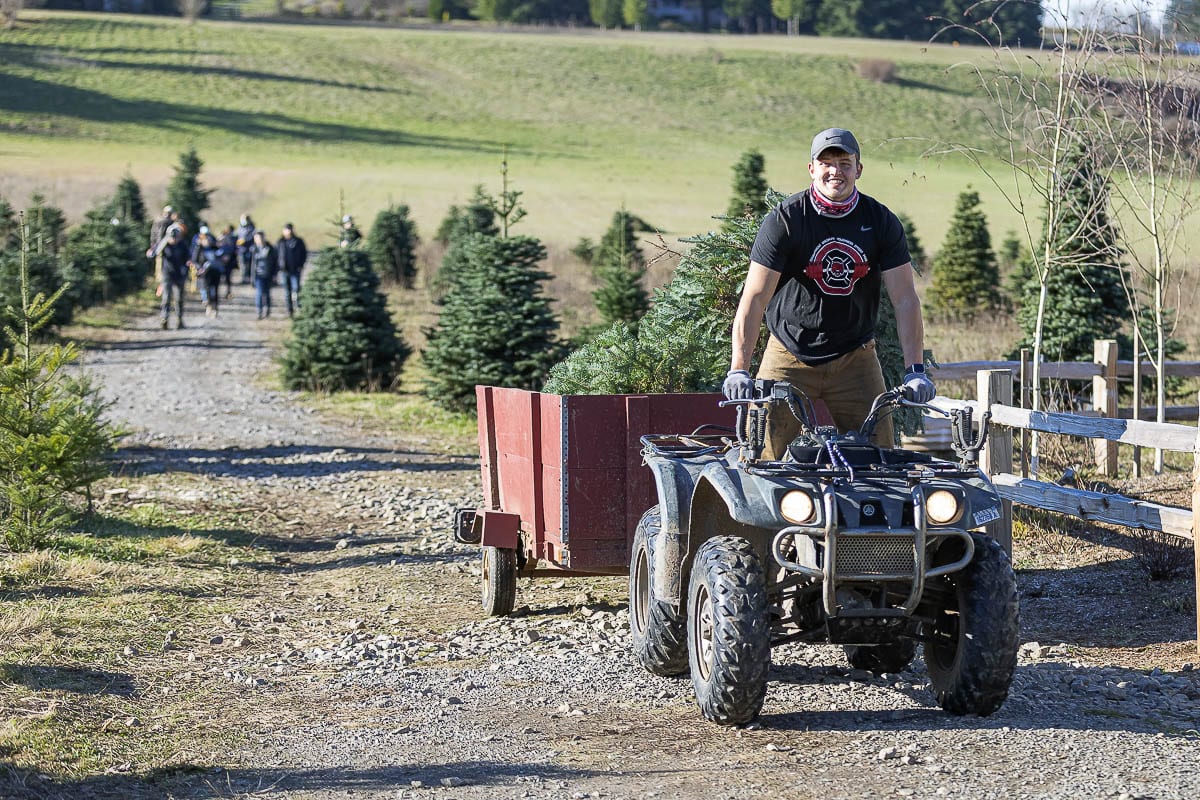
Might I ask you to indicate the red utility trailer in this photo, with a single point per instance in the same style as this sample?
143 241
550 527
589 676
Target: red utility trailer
563 480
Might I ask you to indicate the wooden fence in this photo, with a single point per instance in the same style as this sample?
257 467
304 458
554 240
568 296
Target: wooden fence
994 393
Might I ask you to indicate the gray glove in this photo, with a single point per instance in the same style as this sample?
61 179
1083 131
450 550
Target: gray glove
917 386
738 385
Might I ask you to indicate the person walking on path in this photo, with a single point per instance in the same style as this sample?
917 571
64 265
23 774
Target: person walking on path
245 243
229 258
265 265
816 269
206 258
173 270
158 235
292 255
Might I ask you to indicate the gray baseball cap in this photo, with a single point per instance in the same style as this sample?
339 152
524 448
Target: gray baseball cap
838 138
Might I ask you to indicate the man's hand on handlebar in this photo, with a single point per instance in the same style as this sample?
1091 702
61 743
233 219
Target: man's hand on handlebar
738 385
918 388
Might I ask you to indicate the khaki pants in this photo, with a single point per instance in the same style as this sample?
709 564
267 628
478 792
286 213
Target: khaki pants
848 385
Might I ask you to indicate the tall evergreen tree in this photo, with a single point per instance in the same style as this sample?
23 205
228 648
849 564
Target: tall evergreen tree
495 326
1086 297
749 186
392 245
185 193
965 277
343 337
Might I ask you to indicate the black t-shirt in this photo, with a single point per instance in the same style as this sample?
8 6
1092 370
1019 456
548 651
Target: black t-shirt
827 301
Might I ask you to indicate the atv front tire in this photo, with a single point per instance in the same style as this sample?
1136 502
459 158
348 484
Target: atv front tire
728 630
658 630
971 651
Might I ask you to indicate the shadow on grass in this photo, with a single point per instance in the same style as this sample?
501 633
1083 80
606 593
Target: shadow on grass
68 679
289 461
190 782
38 98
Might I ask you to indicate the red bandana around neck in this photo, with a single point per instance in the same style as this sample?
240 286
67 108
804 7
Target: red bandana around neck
831 208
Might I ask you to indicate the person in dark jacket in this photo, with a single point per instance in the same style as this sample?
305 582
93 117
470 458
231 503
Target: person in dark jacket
172 273
158 234
292 255
206 258
245 243
229 258
264 264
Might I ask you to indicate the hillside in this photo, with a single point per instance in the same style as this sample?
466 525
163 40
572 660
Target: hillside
290 117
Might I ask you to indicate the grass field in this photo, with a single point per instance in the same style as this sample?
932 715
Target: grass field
291 118
301 123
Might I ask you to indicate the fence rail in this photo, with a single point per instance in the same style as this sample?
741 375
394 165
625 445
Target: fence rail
994 391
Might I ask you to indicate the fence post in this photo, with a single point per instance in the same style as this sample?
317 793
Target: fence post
1104 399
1196 525
995 386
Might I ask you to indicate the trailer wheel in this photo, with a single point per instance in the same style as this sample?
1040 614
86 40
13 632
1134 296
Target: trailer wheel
499 581
881 658
658 630
971 651
728 630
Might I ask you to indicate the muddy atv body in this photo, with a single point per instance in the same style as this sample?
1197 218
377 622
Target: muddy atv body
841 541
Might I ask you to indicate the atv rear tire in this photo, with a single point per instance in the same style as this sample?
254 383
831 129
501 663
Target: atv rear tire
728 630
658 630
971 650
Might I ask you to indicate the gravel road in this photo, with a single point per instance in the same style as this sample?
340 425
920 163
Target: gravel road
375 675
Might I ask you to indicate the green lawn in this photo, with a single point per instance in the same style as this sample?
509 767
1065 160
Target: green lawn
292 118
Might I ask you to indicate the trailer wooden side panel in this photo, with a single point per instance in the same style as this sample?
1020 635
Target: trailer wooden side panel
570 466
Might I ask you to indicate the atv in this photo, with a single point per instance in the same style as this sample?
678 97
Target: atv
840 541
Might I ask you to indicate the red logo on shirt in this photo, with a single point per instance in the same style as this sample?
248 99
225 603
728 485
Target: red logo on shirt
836 265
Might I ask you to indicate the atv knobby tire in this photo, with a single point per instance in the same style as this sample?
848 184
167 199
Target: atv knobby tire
971 651
658 630
728 630
499 582
881 658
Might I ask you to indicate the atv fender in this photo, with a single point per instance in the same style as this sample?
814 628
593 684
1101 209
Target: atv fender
700 498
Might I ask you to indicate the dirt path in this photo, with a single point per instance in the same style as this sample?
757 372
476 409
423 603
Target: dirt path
356 663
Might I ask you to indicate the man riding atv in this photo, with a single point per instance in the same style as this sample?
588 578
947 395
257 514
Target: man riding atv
815 273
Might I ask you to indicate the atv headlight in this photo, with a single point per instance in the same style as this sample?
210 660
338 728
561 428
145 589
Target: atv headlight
798 507
942 507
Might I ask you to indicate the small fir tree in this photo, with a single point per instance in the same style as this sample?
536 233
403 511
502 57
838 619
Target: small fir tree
477 216
10 236
749 187
495 325
1086 297
916 251
103 258
392 245
185 193
343 338
46 226
620 266
965 277
127 204
53 439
